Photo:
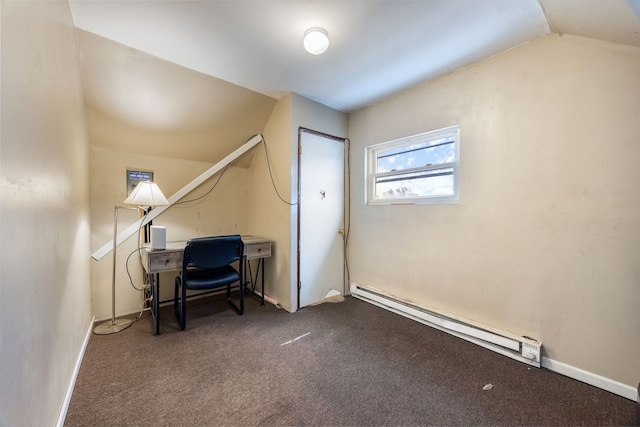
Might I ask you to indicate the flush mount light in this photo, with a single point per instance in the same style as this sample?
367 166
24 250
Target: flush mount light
316 41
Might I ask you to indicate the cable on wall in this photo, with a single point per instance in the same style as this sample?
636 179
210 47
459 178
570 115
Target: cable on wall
268 159
208 192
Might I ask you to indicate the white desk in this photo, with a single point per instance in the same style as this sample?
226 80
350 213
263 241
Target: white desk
156 261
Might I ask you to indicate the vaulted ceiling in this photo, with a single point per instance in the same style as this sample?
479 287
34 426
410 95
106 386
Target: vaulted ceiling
221 57
377 47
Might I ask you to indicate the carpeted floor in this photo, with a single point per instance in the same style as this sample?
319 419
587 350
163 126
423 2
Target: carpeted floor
346 363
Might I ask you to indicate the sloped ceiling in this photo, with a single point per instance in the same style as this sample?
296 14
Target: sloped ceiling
617 21
182 66
136 102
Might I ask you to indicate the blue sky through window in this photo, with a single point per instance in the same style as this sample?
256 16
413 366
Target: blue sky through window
438 182
417 155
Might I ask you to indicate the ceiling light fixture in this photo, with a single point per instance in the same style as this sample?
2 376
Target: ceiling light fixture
316 41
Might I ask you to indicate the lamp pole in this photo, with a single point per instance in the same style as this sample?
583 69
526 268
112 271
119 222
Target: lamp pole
114 325
146 194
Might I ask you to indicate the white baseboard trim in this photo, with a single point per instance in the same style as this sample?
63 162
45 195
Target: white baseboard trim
590 378
74 377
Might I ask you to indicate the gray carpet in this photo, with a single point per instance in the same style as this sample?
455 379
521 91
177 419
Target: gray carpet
337 364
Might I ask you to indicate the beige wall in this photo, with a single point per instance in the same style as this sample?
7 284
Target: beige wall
45 307
267 215
223 211
545 240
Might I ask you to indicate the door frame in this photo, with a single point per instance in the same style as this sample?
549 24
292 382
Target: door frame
345 204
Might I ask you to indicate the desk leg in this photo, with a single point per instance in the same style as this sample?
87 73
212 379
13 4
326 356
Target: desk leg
246 283
261 261
253 279
154 282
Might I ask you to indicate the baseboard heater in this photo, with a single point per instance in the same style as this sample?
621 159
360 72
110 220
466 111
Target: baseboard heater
524 349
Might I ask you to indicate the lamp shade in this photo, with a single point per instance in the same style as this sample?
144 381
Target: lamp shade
316 41
146 193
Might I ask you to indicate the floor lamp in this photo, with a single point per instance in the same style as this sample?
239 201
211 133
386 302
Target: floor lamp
145 195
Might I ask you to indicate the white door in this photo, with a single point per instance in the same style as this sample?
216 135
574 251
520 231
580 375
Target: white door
321 217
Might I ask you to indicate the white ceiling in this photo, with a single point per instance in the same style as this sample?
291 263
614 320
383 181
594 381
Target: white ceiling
378 48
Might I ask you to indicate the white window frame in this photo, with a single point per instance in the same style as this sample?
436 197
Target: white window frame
371 164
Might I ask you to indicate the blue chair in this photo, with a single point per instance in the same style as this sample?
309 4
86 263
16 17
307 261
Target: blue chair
206 264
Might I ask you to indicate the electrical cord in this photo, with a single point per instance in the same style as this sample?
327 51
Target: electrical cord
143 308
208 192
266 151
129 273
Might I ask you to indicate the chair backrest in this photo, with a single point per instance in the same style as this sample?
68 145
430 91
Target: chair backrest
212 252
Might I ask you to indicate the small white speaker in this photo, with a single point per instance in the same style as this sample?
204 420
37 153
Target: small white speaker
158 237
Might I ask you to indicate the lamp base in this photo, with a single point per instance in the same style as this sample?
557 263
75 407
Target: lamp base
109 327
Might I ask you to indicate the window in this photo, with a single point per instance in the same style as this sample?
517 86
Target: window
135 177
417 169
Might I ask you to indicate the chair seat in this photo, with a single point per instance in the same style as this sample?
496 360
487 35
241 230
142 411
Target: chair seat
207 279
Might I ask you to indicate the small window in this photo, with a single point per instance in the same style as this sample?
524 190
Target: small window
135 177
417 169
